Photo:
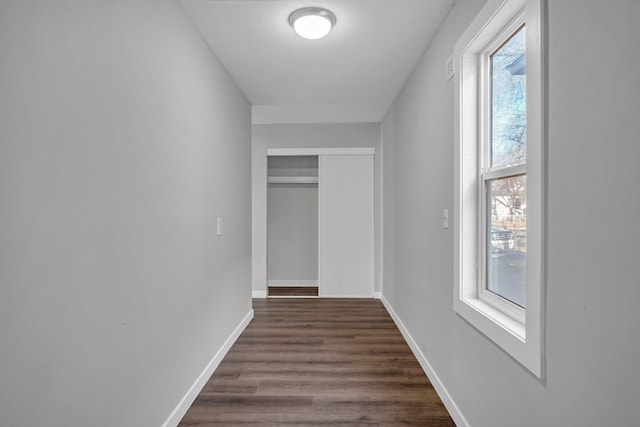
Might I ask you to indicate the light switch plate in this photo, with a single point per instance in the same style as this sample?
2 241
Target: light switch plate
219 227
445 218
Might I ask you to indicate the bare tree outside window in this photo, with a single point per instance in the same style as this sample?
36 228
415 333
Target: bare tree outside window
506 195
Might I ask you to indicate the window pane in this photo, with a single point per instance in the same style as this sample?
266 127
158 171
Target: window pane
507 237
508 102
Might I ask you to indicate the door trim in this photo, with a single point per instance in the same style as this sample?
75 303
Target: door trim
320 151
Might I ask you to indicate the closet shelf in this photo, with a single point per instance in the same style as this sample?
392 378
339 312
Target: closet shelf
292 180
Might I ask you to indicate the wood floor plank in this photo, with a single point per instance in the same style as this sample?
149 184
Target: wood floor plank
347 389
230 387
332 362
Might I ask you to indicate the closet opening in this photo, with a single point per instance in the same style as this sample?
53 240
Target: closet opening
320 222
292 226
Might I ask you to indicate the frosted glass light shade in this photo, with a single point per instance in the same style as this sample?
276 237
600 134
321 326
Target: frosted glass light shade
312 22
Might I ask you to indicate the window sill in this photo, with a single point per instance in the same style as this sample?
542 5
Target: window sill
506 332
509 324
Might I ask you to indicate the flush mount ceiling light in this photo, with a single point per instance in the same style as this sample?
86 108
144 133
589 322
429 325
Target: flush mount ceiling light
312 22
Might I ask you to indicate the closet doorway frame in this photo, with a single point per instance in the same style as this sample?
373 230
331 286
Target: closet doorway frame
261 273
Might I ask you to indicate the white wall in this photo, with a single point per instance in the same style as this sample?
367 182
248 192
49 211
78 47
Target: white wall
303 136
593 344
122 138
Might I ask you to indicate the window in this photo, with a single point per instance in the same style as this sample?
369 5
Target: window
502 178
498 226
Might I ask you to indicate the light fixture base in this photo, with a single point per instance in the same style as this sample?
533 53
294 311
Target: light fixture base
312 22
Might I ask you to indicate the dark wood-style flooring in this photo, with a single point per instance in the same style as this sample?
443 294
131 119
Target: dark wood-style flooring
289 291
337 362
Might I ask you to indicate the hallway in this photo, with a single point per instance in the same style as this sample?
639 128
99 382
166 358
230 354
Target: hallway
320 362
135 139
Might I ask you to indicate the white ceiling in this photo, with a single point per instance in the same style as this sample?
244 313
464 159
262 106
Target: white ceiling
352 75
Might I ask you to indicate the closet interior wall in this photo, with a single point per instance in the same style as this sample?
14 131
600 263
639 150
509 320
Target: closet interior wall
292 221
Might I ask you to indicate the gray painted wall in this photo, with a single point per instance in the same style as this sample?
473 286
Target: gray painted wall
292 220
303 136
122 139
387 134
593 344
292 232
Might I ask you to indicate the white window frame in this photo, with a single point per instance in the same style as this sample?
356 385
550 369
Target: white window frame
517 331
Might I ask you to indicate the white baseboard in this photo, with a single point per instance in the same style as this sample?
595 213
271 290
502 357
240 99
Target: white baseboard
259 294
292 283
188 399
377 295
446 398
